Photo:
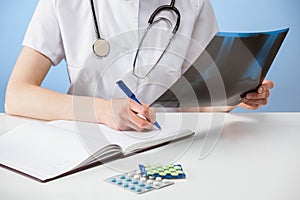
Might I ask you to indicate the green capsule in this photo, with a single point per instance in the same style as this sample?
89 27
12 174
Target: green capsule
160 169
149 173
162 174
177 167
172 170
174 174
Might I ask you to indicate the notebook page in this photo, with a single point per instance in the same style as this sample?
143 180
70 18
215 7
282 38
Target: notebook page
41 150
131 140
91 137
128 139
101 135
94 135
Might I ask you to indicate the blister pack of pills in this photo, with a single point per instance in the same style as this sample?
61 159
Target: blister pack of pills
135 182
171 171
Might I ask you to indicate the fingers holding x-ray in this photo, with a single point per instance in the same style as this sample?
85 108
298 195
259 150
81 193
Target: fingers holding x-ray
256 100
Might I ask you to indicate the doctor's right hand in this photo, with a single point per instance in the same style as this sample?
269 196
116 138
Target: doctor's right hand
126 114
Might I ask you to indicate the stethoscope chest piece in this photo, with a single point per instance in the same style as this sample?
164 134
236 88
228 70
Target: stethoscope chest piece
101 48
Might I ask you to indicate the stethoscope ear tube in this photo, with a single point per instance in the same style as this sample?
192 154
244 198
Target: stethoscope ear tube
166 7
139 47
152 21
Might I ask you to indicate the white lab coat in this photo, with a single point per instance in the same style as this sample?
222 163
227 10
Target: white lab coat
64 29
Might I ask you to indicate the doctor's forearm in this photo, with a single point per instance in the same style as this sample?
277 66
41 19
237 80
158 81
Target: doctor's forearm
39 103
35 102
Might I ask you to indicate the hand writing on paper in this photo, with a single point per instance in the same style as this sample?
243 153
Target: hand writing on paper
123 114
256 100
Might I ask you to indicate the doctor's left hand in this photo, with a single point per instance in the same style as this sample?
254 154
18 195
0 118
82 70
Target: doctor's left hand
256 100
125 114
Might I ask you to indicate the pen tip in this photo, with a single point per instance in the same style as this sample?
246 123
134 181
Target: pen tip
157 125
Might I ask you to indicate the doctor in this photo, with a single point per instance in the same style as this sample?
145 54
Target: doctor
65 29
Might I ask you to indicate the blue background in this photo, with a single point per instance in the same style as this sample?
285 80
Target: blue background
232 15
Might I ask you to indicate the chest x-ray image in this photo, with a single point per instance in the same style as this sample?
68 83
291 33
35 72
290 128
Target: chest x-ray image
232 65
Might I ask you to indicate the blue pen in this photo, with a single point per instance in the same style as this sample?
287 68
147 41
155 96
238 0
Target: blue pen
130 94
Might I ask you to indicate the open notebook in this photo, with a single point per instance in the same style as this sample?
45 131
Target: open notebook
45 151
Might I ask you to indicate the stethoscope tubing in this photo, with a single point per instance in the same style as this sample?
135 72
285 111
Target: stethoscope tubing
151 21
163 8
95 20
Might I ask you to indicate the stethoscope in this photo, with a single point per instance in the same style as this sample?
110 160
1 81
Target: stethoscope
101 47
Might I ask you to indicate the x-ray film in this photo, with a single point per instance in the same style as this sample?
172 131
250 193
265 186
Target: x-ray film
232 65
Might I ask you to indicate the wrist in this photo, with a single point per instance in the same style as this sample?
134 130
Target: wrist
102 109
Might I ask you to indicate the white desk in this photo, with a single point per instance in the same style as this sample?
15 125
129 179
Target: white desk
256 157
